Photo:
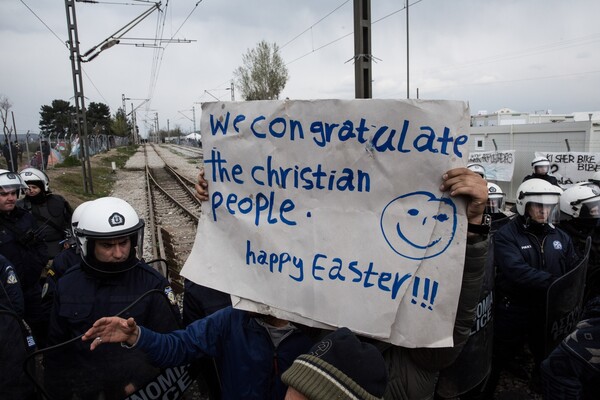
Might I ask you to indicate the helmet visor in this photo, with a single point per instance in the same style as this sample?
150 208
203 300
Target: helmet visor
495 204
590 209
10 181
543 213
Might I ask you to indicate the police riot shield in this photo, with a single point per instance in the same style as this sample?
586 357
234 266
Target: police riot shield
564 300
113 372
474 363
15 345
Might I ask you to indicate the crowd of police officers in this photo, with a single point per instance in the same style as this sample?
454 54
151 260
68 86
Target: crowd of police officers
543 279
540 297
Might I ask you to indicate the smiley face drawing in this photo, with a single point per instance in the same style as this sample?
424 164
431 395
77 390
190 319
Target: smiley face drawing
419 225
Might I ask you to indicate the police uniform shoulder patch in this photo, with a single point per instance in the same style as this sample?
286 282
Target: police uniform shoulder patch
170 295
11 278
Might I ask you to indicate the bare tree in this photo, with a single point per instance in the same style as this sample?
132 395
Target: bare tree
5 106
263 74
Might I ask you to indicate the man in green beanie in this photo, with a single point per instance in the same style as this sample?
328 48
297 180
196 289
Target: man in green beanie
338 367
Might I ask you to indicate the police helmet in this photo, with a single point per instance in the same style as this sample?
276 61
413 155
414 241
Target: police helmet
109 218
33 176
540 165
496 196
541 192
581 201
10 181
477 168
75 217
595 178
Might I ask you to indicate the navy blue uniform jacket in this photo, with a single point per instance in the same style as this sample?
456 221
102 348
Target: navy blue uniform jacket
525 262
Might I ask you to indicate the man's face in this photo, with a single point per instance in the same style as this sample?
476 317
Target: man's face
539 212
8 200
541 170
33 190
112 250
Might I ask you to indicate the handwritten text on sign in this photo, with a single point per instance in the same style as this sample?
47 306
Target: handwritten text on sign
331 210
573 166
499 165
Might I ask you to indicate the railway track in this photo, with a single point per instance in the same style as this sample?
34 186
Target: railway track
173 216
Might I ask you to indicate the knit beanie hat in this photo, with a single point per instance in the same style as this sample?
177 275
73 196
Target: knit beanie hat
339 367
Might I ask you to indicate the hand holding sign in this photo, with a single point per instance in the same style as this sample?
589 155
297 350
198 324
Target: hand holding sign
464 182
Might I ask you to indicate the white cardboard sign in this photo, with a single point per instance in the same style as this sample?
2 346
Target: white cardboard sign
570 167
499 165
330 210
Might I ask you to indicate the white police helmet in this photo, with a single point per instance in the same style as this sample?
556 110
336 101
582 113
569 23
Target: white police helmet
75 217
477 168
10 181
77 214
541 192
496 199
581 201
35 176
542 163
109 218
595 178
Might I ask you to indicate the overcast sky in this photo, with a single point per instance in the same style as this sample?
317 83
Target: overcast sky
527 55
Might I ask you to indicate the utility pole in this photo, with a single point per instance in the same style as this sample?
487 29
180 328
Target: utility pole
168 131
156 139
362 50
134 134
194 116
407 57
133 129
232 91
79 98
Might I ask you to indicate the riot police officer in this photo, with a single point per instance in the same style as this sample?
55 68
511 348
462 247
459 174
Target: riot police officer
530 254
52 211
110 236
21 244
541 168
580 212
110 277
16 337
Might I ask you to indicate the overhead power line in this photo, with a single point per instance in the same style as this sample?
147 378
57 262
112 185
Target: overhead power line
64 42
315 24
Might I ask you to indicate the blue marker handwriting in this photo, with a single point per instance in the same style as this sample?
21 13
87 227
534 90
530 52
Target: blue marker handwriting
325 268
265 206
378 138
277 176
260 205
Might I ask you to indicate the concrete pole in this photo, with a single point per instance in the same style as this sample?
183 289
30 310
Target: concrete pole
407 57
362 50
